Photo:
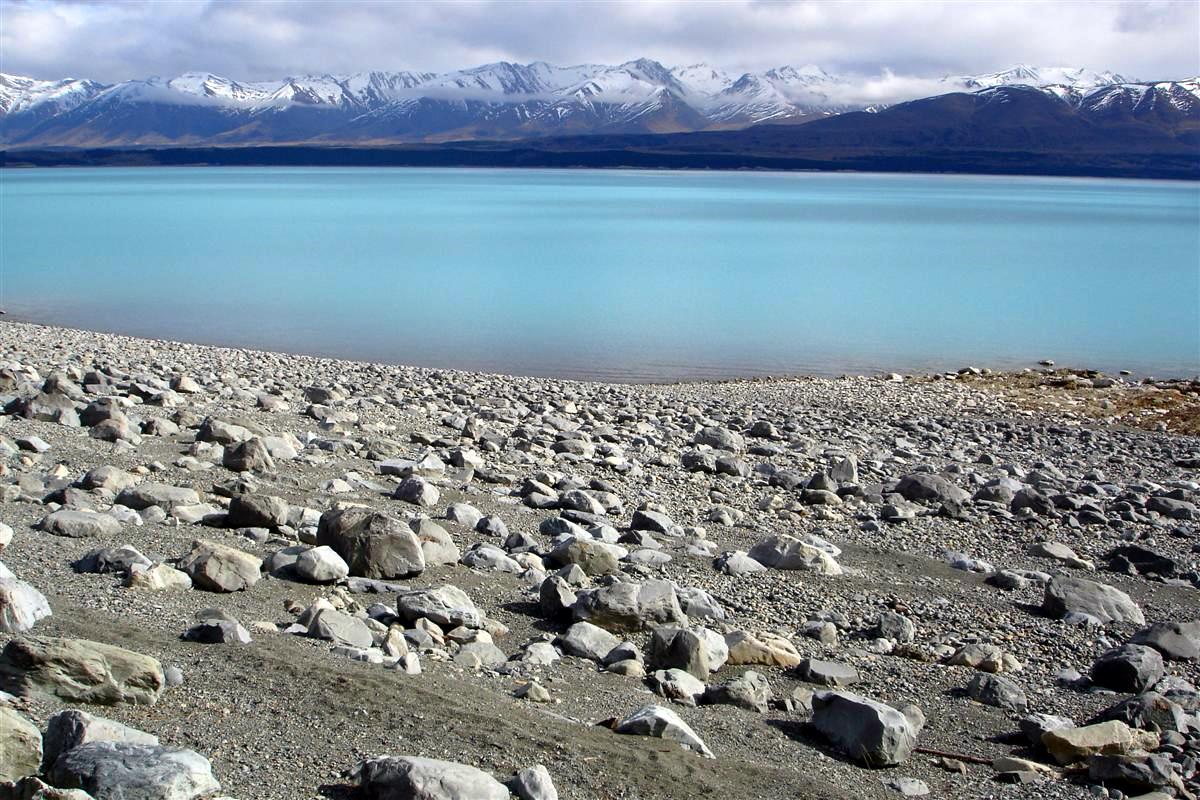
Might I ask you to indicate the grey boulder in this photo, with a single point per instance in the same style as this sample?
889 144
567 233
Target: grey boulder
720 439
418 491
533 783
217 631
1066 595
827 673
373 545
663 723
218 567
1129 668
21 606
78 670
925 486
69 729
252 455
321 565
870 732
115 559
630 606
749 690
787 552
679 648
445 605
1178 641
257 511
587 641
127 771
80 524
162 495
340 628
998 691
416 778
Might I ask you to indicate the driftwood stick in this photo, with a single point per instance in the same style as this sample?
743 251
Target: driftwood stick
929 751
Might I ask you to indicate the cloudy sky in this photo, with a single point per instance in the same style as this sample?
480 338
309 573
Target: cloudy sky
264 39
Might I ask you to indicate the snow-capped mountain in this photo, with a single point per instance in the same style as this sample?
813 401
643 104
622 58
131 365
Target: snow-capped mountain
26 95
493 101
1023 75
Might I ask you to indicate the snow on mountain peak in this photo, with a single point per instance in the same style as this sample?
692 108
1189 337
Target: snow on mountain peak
1078 78
503 98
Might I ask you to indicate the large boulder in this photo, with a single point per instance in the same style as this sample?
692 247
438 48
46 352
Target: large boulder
217 631
128 771
1178 641
1148 711
78 670
677 686
20 746
630 606
872 733
749 690
217 567
21 606
587 641
556 597
720 439
222 431
108 477
826 673
787 552
103 560
1066 595
663 723
321 565
927 487
593 557
448 606
340 628
1129 668
765 650
437 546
69 729
533 783
998 691
373 545
416 778
159 578
80 524
1070 745
252 455
257 511
680 648
162 495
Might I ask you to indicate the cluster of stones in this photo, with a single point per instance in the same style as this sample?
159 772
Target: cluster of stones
597 564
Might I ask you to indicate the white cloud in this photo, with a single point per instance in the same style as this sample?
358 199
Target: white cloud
264 39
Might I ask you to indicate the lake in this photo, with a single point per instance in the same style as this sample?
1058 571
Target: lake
625 275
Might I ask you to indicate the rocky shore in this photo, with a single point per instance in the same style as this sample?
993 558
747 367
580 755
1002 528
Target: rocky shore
230 573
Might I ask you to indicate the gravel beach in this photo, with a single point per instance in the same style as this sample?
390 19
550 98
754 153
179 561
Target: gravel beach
968 585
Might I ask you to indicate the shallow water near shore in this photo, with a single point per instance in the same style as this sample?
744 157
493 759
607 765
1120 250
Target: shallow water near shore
622 275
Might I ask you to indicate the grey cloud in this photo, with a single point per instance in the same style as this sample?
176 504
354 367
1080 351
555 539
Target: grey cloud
262 40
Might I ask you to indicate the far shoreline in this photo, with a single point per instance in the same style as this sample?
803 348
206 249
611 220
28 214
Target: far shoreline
982 368
662 170
526 154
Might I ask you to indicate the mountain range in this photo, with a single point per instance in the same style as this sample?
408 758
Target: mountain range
506 102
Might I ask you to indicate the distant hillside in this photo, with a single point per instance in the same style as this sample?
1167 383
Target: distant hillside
501 101
1143 130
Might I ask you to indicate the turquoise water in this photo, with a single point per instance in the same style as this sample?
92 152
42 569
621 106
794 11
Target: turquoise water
616 274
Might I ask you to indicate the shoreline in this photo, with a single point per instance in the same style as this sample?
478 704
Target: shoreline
1124 377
